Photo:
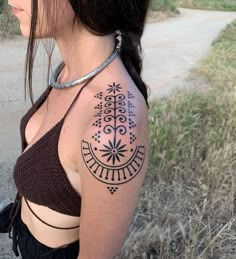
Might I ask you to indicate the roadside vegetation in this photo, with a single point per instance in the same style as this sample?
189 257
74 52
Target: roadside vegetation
187 205
163 5
160 10
9 26
2 4
221 5
220 65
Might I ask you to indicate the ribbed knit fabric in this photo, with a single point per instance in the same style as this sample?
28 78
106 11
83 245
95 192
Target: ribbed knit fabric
38 173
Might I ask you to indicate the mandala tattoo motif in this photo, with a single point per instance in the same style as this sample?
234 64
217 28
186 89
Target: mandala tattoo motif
113 107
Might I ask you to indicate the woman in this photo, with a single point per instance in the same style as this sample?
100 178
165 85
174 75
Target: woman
85 140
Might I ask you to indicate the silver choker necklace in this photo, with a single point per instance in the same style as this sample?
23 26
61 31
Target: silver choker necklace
58 69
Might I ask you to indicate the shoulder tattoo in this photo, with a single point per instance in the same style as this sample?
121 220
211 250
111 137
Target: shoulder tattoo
118 163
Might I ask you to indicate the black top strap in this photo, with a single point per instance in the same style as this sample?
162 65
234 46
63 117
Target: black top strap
77 96
46 222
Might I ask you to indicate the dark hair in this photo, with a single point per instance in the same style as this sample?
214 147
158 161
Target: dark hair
102 17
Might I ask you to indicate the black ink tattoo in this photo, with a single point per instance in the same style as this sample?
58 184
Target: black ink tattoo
114 88
132 137
98 123
131 114
97 136
99 106
130 95
99 96
130 105
112 189
99 114
113 174
131 124
116 115
114 151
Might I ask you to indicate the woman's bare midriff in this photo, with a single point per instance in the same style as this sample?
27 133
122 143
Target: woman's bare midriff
46 235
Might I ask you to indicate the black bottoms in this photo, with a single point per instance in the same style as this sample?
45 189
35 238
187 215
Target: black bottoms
31 248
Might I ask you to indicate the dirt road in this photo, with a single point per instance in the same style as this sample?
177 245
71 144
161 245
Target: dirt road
171 48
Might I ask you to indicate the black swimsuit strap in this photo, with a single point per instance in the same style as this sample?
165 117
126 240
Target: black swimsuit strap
46 222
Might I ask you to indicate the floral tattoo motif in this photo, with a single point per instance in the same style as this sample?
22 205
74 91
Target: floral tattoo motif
114 151
117 110
114 88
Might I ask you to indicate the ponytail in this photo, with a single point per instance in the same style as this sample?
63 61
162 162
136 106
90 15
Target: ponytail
131 55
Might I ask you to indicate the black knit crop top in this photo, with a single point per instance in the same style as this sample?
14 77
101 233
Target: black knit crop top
38 174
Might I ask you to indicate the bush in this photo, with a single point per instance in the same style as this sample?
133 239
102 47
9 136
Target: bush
2 5
163 5
9 25
223 5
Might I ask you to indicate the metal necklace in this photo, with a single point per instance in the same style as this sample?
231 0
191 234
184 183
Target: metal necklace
91 74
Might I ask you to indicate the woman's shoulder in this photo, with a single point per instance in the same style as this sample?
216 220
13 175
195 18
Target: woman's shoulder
114 128
115 98
112 112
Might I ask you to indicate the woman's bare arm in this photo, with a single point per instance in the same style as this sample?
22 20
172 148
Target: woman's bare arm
112 163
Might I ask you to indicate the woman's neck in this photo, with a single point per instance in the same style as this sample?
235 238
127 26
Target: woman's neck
82 52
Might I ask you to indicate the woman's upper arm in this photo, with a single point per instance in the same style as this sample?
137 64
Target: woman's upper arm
112 163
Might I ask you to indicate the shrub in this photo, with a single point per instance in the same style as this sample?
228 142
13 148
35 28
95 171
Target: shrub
2 5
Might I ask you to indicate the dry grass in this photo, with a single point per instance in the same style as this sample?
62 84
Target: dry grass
187 205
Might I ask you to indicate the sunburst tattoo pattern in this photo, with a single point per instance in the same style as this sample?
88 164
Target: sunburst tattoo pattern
114 151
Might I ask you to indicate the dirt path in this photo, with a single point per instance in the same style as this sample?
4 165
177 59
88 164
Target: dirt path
171 48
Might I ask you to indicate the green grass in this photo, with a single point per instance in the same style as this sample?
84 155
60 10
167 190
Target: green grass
187 204
163 5
9 25
219 67
2 5
223 5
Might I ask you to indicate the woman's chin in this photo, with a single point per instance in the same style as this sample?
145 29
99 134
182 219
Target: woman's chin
25 32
